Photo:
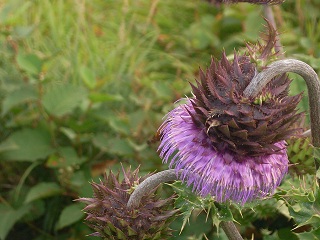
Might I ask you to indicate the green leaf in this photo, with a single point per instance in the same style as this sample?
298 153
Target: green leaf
115 146
22 95
187 202
313 235
120 126
80 181
38 209
66 156
63 99
306 213
9 217
27 145
88 77
224 213
8 145
103 97
69 215
31 63
70 156
186 216
286 233
70 133
185 195
43 190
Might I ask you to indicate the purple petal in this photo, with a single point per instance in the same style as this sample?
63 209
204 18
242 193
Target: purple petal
187 147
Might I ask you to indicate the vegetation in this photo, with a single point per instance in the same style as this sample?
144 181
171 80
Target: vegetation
84 86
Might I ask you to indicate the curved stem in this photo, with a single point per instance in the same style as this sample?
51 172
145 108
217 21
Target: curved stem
165 176
313 85
149 184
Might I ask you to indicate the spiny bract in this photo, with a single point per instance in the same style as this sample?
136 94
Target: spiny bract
300 152
228 145
108 215
246 126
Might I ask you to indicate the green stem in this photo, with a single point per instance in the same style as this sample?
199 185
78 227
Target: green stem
23 179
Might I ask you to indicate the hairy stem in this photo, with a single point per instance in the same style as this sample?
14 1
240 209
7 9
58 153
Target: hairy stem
231 231
148 185
165 176
313 85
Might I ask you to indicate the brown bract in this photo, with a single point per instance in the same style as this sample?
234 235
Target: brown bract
108 214
246 126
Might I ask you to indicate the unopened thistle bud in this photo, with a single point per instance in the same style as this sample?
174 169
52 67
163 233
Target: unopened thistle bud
108 214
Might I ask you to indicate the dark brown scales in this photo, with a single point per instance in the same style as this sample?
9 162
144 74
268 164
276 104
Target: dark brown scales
248 127
108 215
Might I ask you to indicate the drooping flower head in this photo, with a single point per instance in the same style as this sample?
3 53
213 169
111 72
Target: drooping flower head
108 215
225 144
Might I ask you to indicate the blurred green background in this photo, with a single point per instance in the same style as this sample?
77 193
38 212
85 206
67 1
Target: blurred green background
84 85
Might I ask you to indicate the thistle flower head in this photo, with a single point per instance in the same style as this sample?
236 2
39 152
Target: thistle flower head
108 215
228 145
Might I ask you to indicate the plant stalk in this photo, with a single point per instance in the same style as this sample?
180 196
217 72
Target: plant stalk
230 230
148 185
170 175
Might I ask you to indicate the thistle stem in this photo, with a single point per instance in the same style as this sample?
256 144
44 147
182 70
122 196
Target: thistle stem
313 85
231 231
148 185
165 176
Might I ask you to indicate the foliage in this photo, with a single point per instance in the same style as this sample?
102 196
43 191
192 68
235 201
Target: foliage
84 85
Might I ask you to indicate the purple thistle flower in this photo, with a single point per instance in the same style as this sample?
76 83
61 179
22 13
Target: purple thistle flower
218 173
225 144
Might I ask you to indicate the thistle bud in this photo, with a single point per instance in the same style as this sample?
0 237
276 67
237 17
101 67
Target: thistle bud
108 214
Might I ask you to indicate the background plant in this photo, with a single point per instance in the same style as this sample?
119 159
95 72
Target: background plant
84 86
